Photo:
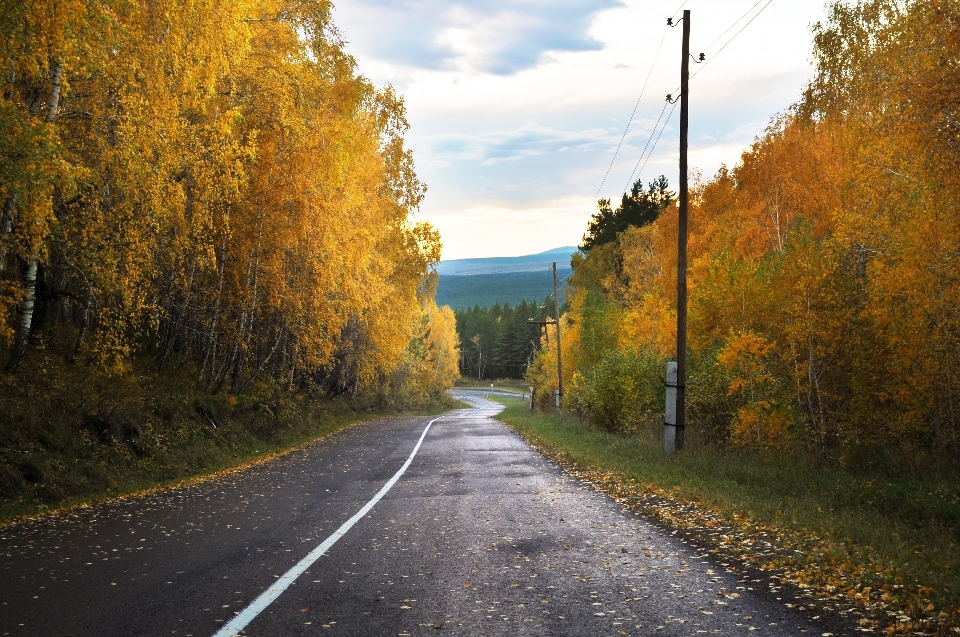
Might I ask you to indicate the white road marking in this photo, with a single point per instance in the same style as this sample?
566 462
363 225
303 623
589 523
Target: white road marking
257 606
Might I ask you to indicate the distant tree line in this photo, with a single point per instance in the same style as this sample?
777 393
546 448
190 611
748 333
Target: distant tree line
499 341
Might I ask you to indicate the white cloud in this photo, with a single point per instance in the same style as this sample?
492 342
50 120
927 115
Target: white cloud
528 140
517 107
487 36
500 230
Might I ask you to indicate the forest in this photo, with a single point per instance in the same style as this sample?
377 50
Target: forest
213 185
209 249
824 268
499 342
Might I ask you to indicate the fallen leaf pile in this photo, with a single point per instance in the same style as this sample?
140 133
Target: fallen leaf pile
806 572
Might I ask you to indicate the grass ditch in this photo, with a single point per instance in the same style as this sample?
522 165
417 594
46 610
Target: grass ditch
883 552
69 436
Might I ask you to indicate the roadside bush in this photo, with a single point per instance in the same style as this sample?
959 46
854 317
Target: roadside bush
709 406
621 390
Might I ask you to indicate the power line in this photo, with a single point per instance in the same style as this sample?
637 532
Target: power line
733 25
630 121
650 154
634 112
642 90
714 56
734 37
682 5
564 286
649 139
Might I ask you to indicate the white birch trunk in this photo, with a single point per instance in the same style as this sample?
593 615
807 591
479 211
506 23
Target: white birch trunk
25 310
214 321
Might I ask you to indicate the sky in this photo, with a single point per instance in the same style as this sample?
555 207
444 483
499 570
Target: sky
517 107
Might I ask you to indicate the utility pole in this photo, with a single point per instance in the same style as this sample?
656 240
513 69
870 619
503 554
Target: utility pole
673 433
682 238
556 304
556 321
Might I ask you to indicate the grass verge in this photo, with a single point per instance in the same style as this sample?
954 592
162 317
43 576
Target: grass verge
881 552
510 385
69 436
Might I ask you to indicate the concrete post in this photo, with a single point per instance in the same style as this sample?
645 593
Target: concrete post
670 418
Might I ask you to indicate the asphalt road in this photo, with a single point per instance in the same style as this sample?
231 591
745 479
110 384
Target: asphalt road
480 536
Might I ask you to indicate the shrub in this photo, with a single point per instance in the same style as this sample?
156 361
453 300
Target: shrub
622 389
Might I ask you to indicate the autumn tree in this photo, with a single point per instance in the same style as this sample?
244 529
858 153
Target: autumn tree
215 184
823 280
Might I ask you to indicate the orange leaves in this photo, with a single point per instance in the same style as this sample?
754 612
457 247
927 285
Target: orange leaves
439 366
242 194
824 295
743 356
762 421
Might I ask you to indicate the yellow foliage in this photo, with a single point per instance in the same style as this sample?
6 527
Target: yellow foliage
744 356
214 180
824 294
440 368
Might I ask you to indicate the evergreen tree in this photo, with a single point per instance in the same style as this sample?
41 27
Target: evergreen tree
639 208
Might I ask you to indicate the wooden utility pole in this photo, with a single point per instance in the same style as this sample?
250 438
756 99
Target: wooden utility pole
556 304
682 238
556 321
677 430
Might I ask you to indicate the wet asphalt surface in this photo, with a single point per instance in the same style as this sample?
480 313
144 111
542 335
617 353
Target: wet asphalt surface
481 536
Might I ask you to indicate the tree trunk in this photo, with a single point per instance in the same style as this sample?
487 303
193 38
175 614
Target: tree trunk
25 310
243 340
263 363
54 104
293 365
84 323
6 226
210 353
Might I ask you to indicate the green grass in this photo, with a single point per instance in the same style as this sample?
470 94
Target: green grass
70 436
900 537
516 385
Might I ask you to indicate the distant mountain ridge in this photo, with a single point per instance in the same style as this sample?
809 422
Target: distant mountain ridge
500 265
465 283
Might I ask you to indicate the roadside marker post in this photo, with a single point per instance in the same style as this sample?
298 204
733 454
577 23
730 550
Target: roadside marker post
670 417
